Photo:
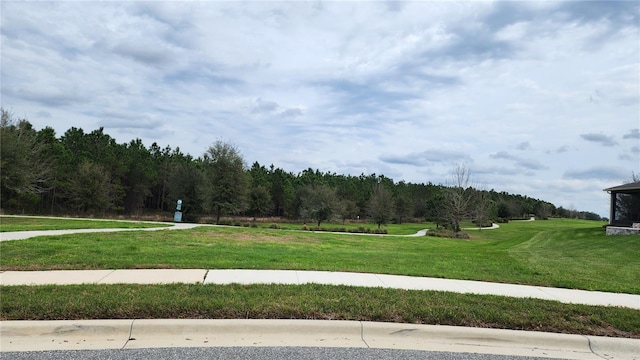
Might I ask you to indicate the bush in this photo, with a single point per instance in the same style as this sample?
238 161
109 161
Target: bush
444 233
305 227
274 226
484 225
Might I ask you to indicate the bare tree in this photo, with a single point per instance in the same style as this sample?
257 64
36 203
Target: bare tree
482 208
457 197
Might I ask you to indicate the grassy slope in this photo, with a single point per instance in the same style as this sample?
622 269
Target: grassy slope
559 253
312 302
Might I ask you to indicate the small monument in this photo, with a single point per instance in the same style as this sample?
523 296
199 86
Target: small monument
177 217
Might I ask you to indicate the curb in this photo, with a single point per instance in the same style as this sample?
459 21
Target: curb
134 334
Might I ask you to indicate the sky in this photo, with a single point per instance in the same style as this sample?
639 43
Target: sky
535 98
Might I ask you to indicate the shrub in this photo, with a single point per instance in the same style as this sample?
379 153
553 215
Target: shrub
444 233
274 226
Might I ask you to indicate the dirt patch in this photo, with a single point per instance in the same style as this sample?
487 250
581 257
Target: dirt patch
258 237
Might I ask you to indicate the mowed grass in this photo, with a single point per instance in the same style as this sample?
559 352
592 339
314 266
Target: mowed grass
10 223
553 253
311 301
556 253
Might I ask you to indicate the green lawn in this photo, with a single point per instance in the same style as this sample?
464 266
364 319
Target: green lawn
557 253
561 253
10 223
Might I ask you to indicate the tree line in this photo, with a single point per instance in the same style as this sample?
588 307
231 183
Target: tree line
84 173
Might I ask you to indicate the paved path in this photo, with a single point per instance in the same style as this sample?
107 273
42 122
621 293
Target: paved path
22 235
203 276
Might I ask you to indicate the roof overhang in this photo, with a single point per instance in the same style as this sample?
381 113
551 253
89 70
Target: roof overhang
634 186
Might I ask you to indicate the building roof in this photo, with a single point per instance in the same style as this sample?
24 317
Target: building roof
625 187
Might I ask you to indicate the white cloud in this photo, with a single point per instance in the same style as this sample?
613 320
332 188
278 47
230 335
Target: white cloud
633 134
600 139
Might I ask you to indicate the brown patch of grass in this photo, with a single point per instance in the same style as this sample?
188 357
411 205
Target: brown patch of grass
258 237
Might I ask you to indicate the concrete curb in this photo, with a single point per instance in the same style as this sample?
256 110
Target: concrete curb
130 334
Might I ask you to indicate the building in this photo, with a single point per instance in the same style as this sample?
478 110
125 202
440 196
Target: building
624 213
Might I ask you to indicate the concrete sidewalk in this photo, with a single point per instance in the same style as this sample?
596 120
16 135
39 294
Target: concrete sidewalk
134 334
22 235
203 276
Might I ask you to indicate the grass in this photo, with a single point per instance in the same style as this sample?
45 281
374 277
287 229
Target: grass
556 253
312 302
10 223
561 253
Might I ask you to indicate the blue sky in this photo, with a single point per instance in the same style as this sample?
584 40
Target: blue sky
536 98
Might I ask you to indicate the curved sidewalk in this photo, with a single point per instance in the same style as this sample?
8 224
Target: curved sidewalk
203 276
22 235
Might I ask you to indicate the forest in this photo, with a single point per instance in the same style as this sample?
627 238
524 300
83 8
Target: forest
90 174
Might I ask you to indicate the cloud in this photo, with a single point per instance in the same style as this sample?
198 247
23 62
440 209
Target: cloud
559 150
261 105
632 155
268 108
600 139
426 157
47 96
130 120
529 164
503 155
154 54
495 170
44 114
369 97
291 112
633 134
598 173
523 146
